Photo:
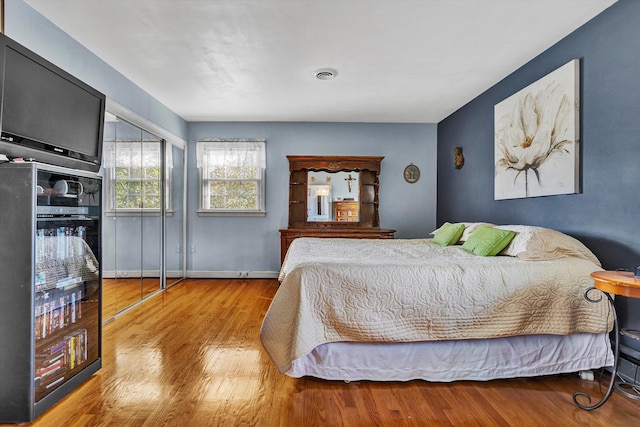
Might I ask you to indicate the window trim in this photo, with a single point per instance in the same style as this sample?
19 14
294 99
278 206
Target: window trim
261 211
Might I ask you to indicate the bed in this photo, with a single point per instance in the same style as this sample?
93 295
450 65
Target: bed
404 309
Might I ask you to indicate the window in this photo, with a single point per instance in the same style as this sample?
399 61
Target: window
231 176
133 172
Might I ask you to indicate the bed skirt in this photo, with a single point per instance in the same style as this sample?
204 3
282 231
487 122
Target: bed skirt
445 361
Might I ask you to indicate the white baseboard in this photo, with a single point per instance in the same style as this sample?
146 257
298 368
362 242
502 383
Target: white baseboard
204 274
109 274
233 274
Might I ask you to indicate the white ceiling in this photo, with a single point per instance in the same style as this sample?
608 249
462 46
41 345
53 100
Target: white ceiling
405 61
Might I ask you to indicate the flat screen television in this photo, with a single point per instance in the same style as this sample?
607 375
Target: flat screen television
46 114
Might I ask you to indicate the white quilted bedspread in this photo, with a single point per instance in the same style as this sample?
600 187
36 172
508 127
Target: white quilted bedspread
335 290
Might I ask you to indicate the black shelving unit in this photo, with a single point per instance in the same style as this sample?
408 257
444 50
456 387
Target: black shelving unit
50 286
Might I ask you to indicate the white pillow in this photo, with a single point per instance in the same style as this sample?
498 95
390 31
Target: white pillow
539 243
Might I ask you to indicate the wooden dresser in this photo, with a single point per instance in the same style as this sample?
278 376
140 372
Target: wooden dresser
354 219
288 235
345 211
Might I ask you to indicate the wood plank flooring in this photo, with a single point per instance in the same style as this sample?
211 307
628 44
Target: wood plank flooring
191 356
120 293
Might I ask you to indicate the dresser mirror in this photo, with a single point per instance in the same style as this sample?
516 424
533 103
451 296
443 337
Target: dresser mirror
333 197
333 191
329 192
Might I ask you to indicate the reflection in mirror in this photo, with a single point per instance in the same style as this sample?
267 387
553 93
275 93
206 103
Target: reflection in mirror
327 192
132 228
138 226
319 203
150 196
174 216
121 235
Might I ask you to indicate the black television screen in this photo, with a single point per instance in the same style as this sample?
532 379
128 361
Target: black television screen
48 115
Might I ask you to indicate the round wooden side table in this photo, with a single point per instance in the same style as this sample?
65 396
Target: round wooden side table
622 283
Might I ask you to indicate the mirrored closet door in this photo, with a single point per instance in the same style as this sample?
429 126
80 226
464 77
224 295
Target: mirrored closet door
142 236
175 221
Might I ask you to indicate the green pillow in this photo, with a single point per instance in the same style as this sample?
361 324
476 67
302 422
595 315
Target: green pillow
448 234
488 241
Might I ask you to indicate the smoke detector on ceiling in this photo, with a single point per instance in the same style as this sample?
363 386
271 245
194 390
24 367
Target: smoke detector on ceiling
325 74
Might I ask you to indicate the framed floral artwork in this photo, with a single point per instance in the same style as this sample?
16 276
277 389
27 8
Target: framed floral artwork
537 137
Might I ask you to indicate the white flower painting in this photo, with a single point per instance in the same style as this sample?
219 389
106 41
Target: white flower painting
537 137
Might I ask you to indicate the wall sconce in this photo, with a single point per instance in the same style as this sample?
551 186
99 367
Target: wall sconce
458 157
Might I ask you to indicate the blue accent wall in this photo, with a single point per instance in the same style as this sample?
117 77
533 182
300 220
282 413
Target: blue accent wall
605 215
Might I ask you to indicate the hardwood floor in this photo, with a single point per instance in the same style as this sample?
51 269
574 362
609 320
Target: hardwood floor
191 356
120 293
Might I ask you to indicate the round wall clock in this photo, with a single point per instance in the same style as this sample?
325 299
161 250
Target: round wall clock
411 173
